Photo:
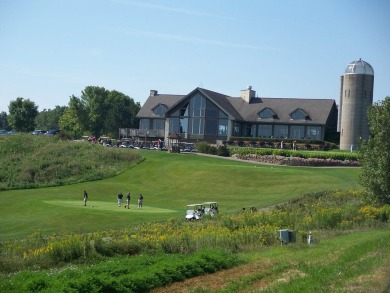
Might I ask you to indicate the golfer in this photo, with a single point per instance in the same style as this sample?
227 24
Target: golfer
128 200
120 197
140 200
85 197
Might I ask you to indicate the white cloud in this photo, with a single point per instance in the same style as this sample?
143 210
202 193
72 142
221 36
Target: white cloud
197 40
171 9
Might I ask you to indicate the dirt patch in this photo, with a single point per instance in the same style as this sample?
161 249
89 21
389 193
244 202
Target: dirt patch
219 280
371 283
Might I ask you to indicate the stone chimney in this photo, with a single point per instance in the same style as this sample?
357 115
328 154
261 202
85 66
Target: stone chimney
248 94
153 93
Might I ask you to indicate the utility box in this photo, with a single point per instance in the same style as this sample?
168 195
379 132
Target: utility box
287 236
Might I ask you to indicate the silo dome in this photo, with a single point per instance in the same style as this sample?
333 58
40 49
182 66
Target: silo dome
359 67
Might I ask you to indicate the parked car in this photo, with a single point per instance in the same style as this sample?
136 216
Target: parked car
52 132
38 132
3 132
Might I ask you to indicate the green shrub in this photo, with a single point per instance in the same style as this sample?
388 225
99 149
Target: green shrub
342 156
205 148
223 151
129 274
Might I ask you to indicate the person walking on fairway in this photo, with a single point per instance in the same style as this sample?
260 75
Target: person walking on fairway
85 197
120 197
140 200
128 200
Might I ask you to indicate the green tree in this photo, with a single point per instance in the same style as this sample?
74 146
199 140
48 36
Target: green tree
74 119
4 121
374 153
99 111
96 104
121 113
22 113
49 119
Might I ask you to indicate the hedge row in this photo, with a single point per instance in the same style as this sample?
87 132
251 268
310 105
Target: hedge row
307 144
128 274
296 161
342 156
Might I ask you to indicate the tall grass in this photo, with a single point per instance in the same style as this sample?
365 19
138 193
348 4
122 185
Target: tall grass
136 274
175 250
327 211
30 161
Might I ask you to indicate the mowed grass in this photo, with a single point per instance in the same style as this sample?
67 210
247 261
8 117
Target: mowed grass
106 206
168 183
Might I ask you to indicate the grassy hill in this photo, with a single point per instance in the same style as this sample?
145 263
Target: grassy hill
139 250
30 161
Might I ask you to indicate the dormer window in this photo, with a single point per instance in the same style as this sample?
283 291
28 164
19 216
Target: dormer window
299 114
267 113
159 110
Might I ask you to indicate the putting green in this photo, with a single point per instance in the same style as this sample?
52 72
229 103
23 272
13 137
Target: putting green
107 206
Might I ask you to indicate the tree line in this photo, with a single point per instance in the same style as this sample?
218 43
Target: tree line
99 111
96 112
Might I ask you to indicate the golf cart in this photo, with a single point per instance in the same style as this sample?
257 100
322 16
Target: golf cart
194 211
211 208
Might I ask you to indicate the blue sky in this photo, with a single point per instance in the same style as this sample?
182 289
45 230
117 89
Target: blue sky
52 49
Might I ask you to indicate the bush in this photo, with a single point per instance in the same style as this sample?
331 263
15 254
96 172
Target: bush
223 151
341 156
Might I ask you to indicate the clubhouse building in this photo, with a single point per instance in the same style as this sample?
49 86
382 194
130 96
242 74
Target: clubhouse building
204 115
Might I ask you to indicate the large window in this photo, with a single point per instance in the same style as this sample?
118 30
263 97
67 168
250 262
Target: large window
216 121
281 131
196 117
174 125
199 117
144 123
253 130
297 131
237 129
184 125
223 127
185 110
314 132
264 130
158 124
196 125
197 106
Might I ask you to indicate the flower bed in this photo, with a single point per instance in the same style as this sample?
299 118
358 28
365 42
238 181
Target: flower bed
296 161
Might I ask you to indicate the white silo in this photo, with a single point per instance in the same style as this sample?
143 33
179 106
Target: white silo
356 95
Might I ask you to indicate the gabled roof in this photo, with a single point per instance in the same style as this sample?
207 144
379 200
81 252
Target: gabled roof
317 109
223 102
153 101
238 109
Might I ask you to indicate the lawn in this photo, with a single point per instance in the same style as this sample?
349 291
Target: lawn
168 183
